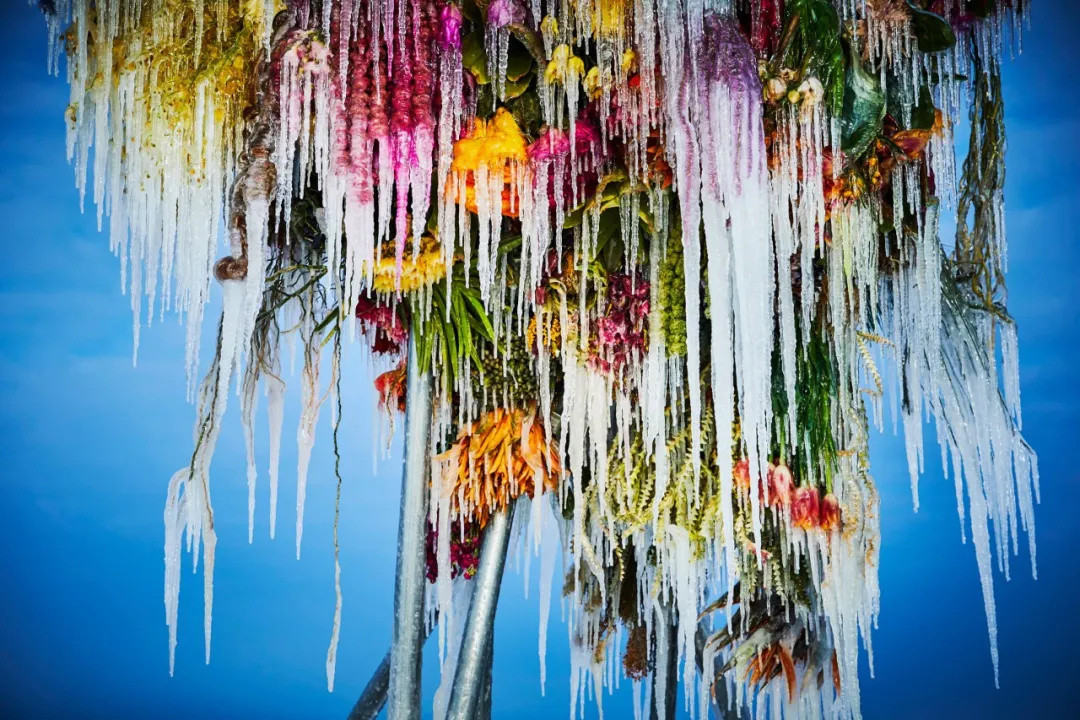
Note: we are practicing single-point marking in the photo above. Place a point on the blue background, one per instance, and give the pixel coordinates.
(88, 443)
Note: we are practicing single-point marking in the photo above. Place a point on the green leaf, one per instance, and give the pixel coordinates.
(924, 114)
(518, 62)
(474, 56)
(932, 32)
(527, 111)
(479, 313)
(864, 108)
(530, 40)
(516, 88)
(981, 8)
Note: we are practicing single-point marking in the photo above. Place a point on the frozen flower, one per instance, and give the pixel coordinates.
(449, 37)
(593, 83)
(496, 144)
(501, 13)
(387, 332)
(741, 472)
(781, 485)
(805, 507)
(775, 89)
(416, 271)
(554, 146)
(500, 457)
(830, 512)
(621, 331)
(391, 386)
(811, 91)
(565, 67)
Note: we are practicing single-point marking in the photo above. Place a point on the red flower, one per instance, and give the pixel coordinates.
(386, 329)
(742, 474)
(391, 387)
(781, 485)
(830, 512)
(805, 508)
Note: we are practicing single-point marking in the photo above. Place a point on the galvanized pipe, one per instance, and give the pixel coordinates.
(665, 632)
(373, 698)
(371, 701)
(403, 695)
(474, 659)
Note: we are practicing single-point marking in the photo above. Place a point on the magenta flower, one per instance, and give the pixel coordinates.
(449, 37)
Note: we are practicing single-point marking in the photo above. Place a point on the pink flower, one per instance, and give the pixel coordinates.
(805, 508)
(621, 331)
(781, 485)
(830, 512)
(504, 12)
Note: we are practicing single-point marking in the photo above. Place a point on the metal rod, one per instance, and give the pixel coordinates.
(471, 668)
(373, 698)
(484, 710)
(665, 678)
(403, 696)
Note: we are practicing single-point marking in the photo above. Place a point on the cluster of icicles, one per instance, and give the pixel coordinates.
(364, 100)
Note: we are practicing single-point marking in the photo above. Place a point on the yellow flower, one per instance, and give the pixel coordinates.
(497, 144)
(594, 85)
(491, 142)
(423, 269)
(565, 67)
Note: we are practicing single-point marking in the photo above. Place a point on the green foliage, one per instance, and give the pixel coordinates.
(814, 45)
(932, 32)
(672, 292)
(864, 108)
(455, 327)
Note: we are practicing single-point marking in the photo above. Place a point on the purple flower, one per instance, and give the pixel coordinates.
(449, 37)
(504, 12)
(728, 54)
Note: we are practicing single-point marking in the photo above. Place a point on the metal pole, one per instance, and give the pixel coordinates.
(484, 710)
(373, 698)
(403, 699)
(473, 659)
(371, 701)
(666, 651)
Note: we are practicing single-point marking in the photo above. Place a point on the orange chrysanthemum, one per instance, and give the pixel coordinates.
(495, 460)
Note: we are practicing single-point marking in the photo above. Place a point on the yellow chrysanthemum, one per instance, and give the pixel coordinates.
(496, 144)
(491, 142)
(421, 270)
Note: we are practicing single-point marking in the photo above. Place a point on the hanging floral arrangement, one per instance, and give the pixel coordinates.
(646, 274)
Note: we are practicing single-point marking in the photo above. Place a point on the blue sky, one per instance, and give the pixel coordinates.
(88, 444)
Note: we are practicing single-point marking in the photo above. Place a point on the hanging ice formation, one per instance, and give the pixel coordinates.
(666, 261)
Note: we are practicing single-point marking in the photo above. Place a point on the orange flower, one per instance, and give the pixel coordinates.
(805, 508)
(830, 512)
(495, 460)
(497, 145)
(391, 387)
(742, 474)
